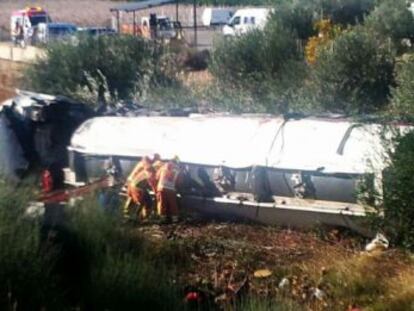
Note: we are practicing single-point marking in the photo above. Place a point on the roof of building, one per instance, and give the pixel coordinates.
(141, 5)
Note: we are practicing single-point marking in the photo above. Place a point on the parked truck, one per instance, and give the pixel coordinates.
(245, 20)
(217, 16)
(23, 23)
(155, 27)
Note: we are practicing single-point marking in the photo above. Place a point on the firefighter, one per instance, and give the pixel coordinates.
(139, 180)
(138, 191)
(157, 163)
(138, 167)
(168, 178)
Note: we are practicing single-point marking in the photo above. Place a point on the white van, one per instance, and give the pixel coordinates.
(217, 16)
(245, 20)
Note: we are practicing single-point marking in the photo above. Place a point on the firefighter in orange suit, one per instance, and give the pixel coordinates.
(168, 177)
(139, 182)
(138, 167)
(157, 163)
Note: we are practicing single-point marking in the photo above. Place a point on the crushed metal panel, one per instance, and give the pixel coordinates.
(12, 160)
(43, 125)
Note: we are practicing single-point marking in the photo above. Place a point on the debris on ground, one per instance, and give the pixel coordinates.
(379, 243)
(227, 261)
(262, 273)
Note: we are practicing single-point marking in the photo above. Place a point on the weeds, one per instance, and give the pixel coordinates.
(26, 280)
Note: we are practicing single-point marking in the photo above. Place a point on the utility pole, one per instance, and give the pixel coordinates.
(176, 10)
(195, 22)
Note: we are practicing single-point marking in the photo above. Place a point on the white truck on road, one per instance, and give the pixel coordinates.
(245, 20)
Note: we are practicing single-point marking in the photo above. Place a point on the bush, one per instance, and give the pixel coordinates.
(403, 93)
(255, 57)
(302, 13)
(298, 17)
(116, 267)
(90, 261)
(26, 279)
(119, 65)
(398, 220)
(391, 19)
(354, 73)
(346, 12)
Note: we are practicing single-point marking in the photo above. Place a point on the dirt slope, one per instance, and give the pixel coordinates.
(10, 73)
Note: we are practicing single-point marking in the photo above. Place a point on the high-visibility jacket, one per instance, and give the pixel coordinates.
(167, 177)
(137, 169)
(146, 174)
(157, 165)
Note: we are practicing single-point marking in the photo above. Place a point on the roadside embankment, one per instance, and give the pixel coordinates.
(13, 61)
(10, 74)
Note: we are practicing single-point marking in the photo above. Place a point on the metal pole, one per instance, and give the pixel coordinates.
(195, 21)
(134, 24)
(117, 21)
(176, 10)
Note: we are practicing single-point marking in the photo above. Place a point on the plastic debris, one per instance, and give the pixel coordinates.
(262, 273)
(35, 210)
(192, 296)
(318, 294)
(284, 283)
(380, 242)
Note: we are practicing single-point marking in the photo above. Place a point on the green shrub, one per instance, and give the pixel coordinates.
(398, 220)
(256, 56)
(90, 261)
(346, 12)
(403, 93)
(26, 279)
(391, 19)
(354, 73)
(118, 271)
(121, 66)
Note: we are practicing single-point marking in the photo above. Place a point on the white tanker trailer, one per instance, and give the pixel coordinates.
(297, 172)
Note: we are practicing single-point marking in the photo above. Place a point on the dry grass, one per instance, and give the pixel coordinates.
(197, 79)
(10, 73)
(220, 256)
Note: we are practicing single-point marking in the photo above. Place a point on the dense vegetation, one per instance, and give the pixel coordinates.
(89, 261)
(352, 69)
(95, 69)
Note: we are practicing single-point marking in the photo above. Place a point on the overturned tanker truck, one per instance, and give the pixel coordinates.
(292, 172)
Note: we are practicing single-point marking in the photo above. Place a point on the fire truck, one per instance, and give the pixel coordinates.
(23, 23)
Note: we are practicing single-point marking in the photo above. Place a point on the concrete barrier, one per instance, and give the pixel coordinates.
(18, 54)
